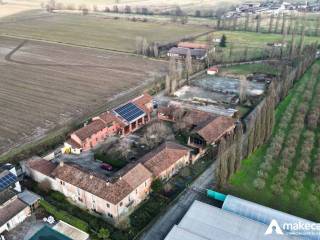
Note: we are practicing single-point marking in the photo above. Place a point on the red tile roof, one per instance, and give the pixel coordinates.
(43, 166)
(212, 130)
(73, 143)
(142, 100)
(90, 129)
(213, 69)
(192, 45)
(11, 209)
(137, 175)
(109, 117)
(113, 192)
(195, 117)
(151, 164)
(163, 157)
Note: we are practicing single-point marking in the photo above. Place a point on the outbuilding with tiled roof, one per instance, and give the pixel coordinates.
(166, 160)
(210, 131)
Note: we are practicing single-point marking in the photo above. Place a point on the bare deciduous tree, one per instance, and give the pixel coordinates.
(145, 47)
(189, 64)
(139, 42)
(45, 185)
(156, 133)
(243, 89)
(168, 85)
(155, 50)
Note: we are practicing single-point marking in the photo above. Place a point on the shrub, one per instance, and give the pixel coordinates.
(167, 187)
(287, 162)
(58, 196)
(113, 158)
(303, 166)
(313, 200)
(157, 186)
(295, 194)
(266, 166)
(64, 216)
(104, 234)
(262, 174)
(276, 189)
(45, 186)
(259, 183)
(147, 211)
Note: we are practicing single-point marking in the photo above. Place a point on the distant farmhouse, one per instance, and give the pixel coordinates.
(181, 52)
(197, 51)
(272, 7)
(192, 45)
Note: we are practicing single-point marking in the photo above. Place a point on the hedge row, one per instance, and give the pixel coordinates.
(64, 216)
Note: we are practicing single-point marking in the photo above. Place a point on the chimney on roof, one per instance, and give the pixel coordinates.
(107, 183)
(91, 176)
(120, 178)
(61, 163)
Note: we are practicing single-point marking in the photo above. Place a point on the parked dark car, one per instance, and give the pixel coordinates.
(106, 166)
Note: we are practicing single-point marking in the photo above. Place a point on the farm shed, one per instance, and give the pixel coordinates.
(179, 52)
(211, 131)
(192, 45)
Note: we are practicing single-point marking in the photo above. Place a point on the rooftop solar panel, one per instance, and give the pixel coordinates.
(7, 180)
(129, 112)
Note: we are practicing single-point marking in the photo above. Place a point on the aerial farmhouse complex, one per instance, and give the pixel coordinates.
(159, 120)
(115, 195)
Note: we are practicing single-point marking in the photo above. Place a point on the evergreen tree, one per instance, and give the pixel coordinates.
(223, 41)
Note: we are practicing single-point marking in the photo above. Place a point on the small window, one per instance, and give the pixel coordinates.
(120, 204)
(110, 215)
(136, 191)
(108, 205)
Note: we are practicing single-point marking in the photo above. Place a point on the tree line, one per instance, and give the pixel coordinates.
(256, 128)
(274, 23)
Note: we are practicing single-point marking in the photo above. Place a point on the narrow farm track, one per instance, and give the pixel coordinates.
(45, 86)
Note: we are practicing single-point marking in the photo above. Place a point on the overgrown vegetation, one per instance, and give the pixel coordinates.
(113, 158)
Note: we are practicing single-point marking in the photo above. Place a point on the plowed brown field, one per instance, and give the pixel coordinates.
(44, 85)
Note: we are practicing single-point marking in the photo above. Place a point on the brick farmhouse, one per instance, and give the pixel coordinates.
(113, 199)
(109, 123)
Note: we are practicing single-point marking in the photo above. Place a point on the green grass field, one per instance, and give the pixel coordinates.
(242, 183)
(97, 31)
(252, 39)
(246, 46)
(246, 69)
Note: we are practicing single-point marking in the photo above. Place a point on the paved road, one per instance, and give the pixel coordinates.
(174, 214)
